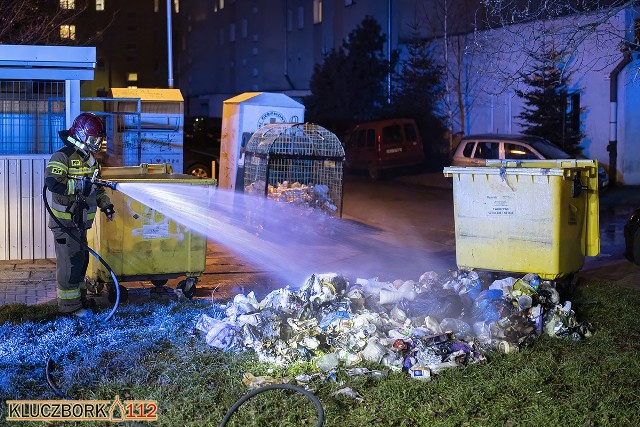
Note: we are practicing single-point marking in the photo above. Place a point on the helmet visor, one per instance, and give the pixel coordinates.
(94, 143)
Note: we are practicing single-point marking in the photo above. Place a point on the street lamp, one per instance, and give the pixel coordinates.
(169, 45)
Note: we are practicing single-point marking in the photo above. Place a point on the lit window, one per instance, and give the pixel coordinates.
(68, 32)
(221, 4)
(317, 11)
(176, 6)
(156, 5)
(132, 77)
(99, 5)
(67, 4)
(301, 17)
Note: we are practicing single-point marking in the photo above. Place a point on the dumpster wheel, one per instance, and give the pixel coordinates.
(159, 282)
(567, 285)
(188, 287)
(124, 293)
(94, 287)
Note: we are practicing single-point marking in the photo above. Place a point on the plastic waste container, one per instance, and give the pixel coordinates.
(141, 243)
(533, 216)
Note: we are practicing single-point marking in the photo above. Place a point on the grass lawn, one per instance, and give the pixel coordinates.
(151, 352)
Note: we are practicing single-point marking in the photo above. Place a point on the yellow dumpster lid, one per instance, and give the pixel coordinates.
(147, 94)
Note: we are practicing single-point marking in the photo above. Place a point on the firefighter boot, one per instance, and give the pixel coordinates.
(87, 303)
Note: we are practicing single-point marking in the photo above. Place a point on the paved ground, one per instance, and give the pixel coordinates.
(33, 282)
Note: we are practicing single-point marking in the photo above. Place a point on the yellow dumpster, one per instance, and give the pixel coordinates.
(531, 216)
(141, 243)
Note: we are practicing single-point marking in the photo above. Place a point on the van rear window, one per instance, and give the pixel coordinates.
(391, 135)
(410, 132)
(371, 138)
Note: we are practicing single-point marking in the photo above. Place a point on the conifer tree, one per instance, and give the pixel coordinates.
(548, 110)
(350, 84)
(418, 90)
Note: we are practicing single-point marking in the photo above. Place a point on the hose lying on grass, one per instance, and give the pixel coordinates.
(50, 365)
(257, 391)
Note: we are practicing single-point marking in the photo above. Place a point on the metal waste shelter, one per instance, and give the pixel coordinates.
(296, 162)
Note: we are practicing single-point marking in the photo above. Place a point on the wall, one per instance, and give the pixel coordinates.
(491, 76)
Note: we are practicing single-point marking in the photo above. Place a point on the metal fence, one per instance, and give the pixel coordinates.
(31, 114)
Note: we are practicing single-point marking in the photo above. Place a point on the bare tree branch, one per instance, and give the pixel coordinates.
(37, 21)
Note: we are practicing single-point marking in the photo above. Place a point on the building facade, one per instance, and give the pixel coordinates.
(223, 48)
(130, 39)
(228, 47)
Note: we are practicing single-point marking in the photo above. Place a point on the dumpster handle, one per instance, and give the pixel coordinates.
(577, 187)
(503, 175)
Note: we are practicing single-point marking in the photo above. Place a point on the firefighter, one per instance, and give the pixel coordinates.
(74, 203)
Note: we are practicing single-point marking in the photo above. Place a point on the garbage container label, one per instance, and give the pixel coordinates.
(155, 231)
(502, 206)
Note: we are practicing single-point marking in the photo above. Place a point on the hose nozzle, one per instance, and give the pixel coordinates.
(97, 181)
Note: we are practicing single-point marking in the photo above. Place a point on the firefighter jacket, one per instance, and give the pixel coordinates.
(64, 162)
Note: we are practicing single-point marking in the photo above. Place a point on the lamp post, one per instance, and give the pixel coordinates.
(169, 45)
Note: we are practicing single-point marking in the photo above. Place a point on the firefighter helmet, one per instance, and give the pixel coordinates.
(87, 132)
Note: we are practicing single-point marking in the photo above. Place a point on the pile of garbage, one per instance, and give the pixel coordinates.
(418, 327)
(298, 194)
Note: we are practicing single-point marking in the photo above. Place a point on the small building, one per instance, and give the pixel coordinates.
(39, 96)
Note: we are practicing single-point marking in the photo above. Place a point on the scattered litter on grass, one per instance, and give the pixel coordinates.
(348, 392)
(441, 322)
(419, 327)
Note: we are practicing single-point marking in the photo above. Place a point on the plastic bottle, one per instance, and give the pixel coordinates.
(460, 328)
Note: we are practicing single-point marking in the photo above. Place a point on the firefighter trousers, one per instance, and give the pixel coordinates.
(72, 260)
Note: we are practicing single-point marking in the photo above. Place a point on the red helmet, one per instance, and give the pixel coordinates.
(88, 132)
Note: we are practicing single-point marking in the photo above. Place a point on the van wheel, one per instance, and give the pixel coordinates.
(374, 173)
(199, 170)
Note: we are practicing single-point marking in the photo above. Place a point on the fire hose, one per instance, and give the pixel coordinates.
(50, 365)
(307, 393)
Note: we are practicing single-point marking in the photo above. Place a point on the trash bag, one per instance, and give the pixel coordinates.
(488, 306)
(436, 305)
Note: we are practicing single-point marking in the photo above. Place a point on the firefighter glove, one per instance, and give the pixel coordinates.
(109, 212)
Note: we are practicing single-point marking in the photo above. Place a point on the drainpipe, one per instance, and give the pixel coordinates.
(612, 148)
(286, 46)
